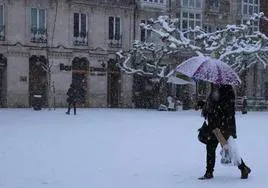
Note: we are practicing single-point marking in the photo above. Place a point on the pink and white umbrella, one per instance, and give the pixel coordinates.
(209, 69)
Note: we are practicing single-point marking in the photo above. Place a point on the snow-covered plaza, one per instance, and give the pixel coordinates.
(121, 148)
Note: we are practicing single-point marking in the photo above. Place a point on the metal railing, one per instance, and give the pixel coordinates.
(115, 43)
(2, 32)
(81, 39)
(38, 35)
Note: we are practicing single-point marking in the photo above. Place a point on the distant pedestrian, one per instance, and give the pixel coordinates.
(72, 98)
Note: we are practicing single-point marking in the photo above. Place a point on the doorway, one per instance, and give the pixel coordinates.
(37, 79)
(3, 80)
(114, 84)
(80, 67)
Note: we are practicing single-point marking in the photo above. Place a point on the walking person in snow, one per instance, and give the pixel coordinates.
(219, 110)
(72, 98)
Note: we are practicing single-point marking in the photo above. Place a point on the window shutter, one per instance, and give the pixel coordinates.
(111, 28)
(42, 19)
(83, 25)
(117, 28)
(76, 25)
(1, 15)
(34, 18)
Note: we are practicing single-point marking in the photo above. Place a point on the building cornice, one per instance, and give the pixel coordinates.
(55, 54)
(19, 49)
(102, 4)
(18, 53)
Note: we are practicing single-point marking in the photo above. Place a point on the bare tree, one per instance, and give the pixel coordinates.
(47, 66)
(230, 44)
(236, 45)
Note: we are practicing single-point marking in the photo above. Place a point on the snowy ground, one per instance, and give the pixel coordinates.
(116, 148)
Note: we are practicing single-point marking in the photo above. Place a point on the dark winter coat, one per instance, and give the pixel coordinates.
(221, 113)
(72, 95)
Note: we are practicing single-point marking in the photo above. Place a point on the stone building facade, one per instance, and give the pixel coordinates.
(76, 40)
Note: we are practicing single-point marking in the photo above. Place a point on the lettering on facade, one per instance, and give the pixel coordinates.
(97, 71)
(65, 67)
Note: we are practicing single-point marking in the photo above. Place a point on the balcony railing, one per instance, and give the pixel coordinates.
(115, 43)
(81, 39)
(2, 32)
(38, 35)
(158, 5)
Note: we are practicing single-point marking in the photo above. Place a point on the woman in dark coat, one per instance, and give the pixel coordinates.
(72, 98)
(219, 110)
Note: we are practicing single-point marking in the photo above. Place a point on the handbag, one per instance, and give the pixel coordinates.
(203, 133)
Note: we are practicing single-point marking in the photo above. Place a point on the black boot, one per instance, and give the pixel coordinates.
(68, 110)
(208, 175)
(244, 170)
(74, 108)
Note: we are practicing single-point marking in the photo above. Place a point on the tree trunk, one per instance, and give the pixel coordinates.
(163, 91)
(244, 81)
(49, 95)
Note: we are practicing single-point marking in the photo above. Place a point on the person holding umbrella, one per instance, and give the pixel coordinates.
(219, 109)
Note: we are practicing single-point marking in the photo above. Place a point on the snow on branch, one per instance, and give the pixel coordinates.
(236, 45)
(144, 59)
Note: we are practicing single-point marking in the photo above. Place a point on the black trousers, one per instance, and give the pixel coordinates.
(69, 107)
(211, 155)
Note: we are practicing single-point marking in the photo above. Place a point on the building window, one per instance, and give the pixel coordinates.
(115, 38)
(190, 20)
(145, 34)
(198, 3)
(214, 4)
(250, 7)
(2, 23)
(191, 3)
(80, 33)
(208, 29)
(253, 27)
(38, 25)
